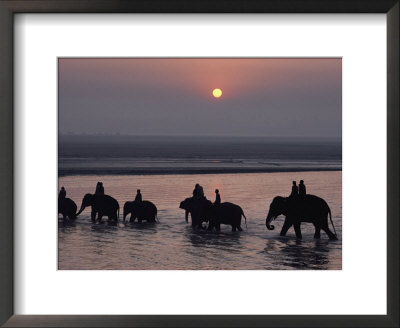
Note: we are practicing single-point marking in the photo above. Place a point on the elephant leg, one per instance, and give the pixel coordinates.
(132, 218)
(210, 225)
(113, 216)
(286, 225)
(196, 223)
(317, 234)
(139, 220)
(297, 230)
(239, 228)
(93, 215)
(218, 227)
(233, 228)
(100, 216)
(330, 234)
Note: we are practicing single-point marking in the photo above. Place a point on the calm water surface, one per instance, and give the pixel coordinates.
(171, 244)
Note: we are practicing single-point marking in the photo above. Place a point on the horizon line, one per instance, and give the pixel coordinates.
(72, 134)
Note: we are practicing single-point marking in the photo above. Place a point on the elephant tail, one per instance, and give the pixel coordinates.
(330, 217)
(245, 219)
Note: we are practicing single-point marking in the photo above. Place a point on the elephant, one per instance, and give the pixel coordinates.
(101, 204)
(67, 207)
(203, 210)
(197, 207)
(143, 210)
(306, 208)
(225, 213)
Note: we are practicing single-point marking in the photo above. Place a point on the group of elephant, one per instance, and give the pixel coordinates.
(305, 208)
(105, 205)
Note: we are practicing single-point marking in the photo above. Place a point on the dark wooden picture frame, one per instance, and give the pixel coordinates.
(10, 7)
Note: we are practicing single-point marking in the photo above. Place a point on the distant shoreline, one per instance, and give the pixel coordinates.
(191, 171)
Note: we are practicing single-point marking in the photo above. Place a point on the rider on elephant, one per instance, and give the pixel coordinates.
(295, 190)
(138, 197)
(302, 188)
(198, 191)
(99, 188)
(217, 197)
(62, 193)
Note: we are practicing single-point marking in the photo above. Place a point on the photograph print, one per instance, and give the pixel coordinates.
(199, 164)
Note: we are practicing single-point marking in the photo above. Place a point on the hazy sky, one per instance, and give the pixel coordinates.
(261, 97)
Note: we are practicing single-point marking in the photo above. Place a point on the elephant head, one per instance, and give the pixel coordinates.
(131, 208)
(198, 208)
(277, 207)
(87, 200)
(187, 206)
(127, 209)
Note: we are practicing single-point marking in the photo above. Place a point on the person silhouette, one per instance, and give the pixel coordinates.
(99, 188)
(62, 194)
(198, 191)
(138, 197)
(295, 190)
(302, 188)
(195, 190)
(217, 197)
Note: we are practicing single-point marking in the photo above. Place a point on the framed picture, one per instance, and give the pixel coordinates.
(197, 160)
(206, 139)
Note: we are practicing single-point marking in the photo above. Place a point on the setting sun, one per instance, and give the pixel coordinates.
(217, 93)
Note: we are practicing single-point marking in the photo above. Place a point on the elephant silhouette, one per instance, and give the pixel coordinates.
(67, 207)
(197, 207)
(144, 210)
(103, 205)
(225, 213)
(202, 210)
(306, 208)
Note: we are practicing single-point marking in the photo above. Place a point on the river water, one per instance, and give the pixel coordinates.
(172, 244)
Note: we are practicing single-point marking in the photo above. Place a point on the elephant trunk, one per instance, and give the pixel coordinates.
(186, 216)
(268, 222)
(124, 213)
(81, 210)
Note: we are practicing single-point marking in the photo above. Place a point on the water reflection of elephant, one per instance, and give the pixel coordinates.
(103, 205)
(67, 207)
(299, 254)
(143, 210)
(228, 241)
(307, 208)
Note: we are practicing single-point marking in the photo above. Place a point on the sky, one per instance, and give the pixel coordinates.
(173, 96)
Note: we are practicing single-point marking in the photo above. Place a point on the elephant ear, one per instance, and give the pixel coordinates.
(284, 204)
(282, 201)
